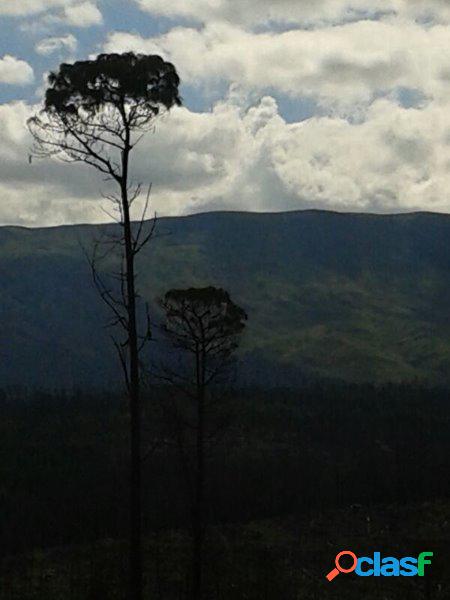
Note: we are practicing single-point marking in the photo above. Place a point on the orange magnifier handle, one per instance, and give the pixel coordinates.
(339, 569)
(332, 574)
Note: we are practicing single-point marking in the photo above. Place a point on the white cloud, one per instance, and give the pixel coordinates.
(365, 150)
(83, 15)
(247, 157)
(340, 65)
(77, 13)
(397, 159)
(55, 44)
(28, 7)
(15, 71)
(45, 192)
(302, 12)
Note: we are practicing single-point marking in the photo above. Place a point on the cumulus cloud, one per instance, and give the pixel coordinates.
(344, 64)
(55, 44)
(28, 7)
(46, 192)
(77, 13)
(379, 141)
(306, 12)
(250, 158)
(82, 15)
(246, 156)
(15, 71)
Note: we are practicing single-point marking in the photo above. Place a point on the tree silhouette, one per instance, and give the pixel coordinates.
(204, 324)
(95, 112)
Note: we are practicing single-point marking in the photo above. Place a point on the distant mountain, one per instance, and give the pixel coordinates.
(352, 296)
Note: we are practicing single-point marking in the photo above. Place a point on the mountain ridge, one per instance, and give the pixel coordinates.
(238, 212)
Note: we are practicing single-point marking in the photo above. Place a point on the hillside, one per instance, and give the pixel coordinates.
(351, 296)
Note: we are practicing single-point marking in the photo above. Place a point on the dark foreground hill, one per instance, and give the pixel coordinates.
(351, 296)
(293, 479)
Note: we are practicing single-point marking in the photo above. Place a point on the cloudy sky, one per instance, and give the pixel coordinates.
(288, 104)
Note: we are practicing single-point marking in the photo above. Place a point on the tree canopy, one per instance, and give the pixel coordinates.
(92, 108)
(205, 316)
(145, 81)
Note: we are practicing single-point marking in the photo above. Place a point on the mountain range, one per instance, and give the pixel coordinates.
(356, 297)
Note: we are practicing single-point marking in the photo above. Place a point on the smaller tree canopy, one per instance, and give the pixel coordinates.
(204, 319)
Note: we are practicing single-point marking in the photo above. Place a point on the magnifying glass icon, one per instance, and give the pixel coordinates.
(339, 569)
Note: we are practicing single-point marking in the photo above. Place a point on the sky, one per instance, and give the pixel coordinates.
(287, 105)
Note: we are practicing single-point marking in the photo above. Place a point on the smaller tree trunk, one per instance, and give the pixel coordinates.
(198, 507)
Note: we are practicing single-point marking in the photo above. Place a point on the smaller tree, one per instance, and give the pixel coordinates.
(203, 324)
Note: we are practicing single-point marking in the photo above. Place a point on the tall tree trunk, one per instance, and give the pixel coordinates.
(136, 572)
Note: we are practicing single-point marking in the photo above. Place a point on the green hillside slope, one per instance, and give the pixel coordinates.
(358, 297)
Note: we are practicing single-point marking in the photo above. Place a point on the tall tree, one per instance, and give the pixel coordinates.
(204, 324)
(95, 113)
